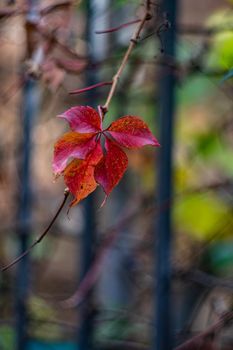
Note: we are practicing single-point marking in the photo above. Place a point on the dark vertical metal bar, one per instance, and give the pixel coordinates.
(87, 254)
(163, 331)
(95, 11)
(28, 112)
(89, 234)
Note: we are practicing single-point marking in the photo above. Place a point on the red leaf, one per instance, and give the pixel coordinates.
(132, 132)
(95, 156)
(71, 144)
(79, 178)
(90, 166)
(79, 175)
(83, 119)
(111, 168)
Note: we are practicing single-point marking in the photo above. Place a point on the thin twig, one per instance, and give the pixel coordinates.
(204, 279)
(121, 26)
(198, 340)
(56, 6)
(133, 41)
(202, 31)
(91, 87)
(13, 89)
(111, 235)
(9, 12)
(51, 35)
(39, 239)
(93, 273)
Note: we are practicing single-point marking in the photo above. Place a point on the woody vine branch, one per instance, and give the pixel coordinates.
(102, 111)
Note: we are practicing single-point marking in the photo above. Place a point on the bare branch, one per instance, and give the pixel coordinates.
(124, 25)
(198, 341)
(111, 236)
(56, 6)
(204, 279)
(133, 41)
(40, 238)
(91, 87)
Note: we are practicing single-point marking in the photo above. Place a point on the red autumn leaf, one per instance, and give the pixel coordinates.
(95, 155)
(79, 175)
(79, 178)
(132, 132)
(83, 119)
(71, 144)
(90, 167)
(111, 168)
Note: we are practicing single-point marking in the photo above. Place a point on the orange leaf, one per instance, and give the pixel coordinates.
(71, 144)
(79, 178)
(79, 175)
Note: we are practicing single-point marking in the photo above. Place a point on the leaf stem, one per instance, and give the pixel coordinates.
(39, 239)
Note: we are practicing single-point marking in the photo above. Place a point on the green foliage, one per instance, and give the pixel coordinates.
(7, 338)
(207, 143)
(119, 3)
(200, 215)
(218, 152)
(221, 53)
(195, 90)
(220, 258)
(42, 314)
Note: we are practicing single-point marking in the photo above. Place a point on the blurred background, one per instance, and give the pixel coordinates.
(50, 48)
